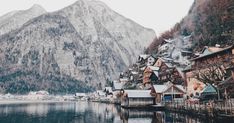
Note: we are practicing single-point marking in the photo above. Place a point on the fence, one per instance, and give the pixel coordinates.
(212, 109)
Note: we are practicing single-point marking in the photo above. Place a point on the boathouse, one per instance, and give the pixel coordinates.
(168, 92)
(136, 98)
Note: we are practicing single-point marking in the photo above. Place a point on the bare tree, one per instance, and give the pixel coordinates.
(213, 74)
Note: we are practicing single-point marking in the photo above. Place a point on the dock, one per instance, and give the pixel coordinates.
(213, 110)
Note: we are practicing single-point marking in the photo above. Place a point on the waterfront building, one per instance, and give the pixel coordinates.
(212, 63)
(136, 98)
(168, 92)
(80, 95)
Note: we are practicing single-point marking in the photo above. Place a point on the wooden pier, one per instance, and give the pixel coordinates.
(220, 110)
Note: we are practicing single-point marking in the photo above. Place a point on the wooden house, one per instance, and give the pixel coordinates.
(150, 74)
(223, 57)
(168, 71)
(168, 92)
(136, 98)
(211, 58)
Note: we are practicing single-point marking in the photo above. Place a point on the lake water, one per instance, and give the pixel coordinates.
(86, 112)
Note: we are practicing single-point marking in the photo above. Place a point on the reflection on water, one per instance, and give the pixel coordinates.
(84, 112)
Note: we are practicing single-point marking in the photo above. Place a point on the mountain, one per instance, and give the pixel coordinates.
(210, 22)
(85, 44)
(16, 19)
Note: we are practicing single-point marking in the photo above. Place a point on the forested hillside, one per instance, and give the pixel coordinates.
(209, 22)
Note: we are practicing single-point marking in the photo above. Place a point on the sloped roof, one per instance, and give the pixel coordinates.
(160, 88)
(165, 87)
(134, 72)
(212, 53)
(144, 56)
(156, 73)
(209, 89)
(123, 79)
(138, 93)
(154, 68)
(180, 87)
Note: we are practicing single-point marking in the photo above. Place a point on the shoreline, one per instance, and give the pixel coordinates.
(6, 102)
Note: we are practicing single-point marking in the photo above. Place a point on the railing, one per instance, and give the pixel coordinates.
(224, 108)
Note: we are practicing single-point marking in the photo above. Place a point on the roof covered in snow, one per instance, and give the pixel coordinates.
(125, 79)
(212, 53)
(138, 93)
(144, 56)
(154, 68)
(134, 72)
(166, 86)
(160, 88)
(109, 89)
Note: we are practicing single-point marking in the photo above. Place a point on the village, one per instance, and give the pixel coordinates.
(198, 83)
(174, 79)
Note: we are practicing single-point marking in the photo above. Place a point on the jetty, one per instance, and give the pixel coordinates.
(220, 110)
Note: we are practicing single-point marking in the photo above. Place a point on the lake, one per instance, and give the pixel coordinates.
(86, 112)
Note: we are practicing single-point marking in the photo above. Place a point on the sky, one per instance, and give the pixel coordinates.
(159, 15)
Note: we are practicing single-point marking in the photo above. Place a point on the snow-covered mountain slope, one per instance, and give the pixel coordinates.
(16, 19)
(87, 41)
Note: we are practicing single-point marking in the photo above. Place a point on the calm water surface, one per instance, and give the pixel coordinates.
(86, 112)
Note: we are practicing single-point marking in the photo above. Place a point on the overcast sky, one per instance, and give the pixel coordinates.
(159, 15)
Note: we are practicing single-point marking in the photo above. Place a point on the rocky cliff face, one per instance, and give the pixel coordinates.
(86, 41)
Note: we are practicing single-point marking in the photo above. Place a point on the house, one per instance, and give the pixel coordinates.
(208, 93)
(215, 60)
(100, 94)
(136, 98)
(142, 58)
(146, 59)
(208, 90)
(168, 92)
(150, 74)
(80, 95)
(219, 56)
(37, 95)
(117, 86)
(168, 71)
